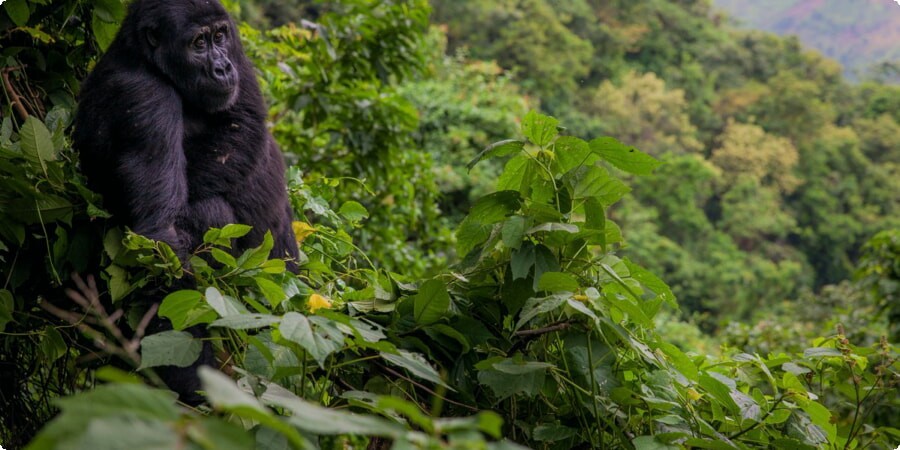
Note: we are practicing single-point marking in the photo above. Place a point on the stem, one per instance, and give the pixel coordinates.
(14, 98)
(548, 329)
(760, 421)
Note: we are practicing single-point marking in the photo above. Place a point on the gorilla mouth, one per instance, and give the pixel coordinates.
(215, 97)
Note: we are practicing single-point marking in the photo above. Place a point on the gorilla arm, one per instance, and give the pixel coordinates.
(152, 167)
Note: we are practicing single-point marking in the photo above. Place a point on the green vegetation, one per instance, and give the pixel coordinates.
(699, 246)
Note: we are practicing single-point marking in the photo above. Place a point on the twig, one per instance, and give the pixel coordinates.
(14, 98)
(548, 329)
(425, 388)
(88, 298)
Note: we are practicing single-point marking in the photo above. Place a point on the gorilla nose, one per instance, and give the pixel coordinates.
(222, 71)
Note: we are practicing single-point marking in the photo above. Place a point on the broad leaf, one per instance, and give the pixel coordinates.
(626, 158)
(539, 129)
(432, 303)
(170, 348)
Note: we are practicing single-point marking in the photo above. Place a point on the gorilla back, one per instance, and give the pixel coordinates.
(171, 130)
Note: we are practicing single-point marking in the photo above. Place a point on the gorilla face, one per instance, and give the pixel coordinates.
(196, 51)
(213, 81)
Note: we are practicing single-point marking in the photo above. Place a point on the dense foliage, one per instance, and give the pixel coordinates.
(475, 275)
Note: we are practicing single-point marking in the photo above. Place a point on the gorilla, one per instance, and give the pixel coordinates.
(171, 130)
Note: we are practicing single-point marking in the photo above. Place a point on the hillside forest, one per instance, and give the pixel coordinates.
(547, 224)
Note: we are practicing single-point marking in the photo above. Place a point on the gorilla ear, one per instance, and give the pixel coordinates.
(152, 37)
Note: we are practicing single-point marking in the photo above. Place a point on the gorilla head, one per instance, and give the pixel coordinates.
(195, 44)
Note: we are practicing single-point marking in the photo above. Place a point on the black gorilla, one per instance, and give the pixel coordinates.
(171, 131)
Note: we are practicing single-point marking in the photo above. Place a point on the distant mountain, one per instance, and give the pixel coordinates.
(858, 33)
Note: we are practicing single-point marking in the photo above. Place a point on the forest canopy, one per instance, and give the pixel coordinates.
(549, 224)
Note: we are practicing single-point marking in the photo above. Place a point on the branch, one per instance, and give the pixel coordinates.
(425, 388)
(14, 98)
(548, 329)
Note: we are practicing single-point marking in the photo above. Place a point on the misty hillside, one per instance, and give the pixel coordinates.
(858, 33)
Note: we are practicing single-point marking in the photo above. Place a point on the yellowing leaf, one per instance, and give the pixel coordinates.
(302, 230)
(317, 301)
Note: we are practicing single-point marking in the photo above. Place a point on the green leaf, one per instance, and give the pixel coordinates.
(52, 345)
(353, 211)
(521, 261)
(185, 308)
(104, 31)
(315, 419)
(118, 399)
(558, 282)
(416, 365)
(539, 129)
(821, 417)
(119, 286)
(116, 433)
(432, 303)
(224, 306)
(572, 152)
(537, 306)
(516, 175)
(509, 376)
(7, 306)
(719, 391)
(224, 394)
(681, 362)
(319, 341)
(110, 10)
(495, 207)
(544, 261)
(37, 144)
(223, 236)
(498, 149)
(652, 282)
(514, 231)
(626, 158)
(273, 292)
(552, 432)
(223, 435)
(18, 11)
(821, 352)
(651, 443)
(595, 181)
(246, 321)
(170, 348)
(254, 257)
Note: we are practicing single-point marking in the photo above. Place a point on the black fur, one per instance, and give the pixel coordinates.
(171, 131)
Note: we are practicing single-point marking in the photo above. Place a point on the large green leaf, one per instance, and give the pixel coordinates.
(246, 321)
(225, 306)
(18, 11)
(170, 348)
(539, 129)
(624, 157)
(558, 282)
(595, 181)
(185, 308)
(572, 152)
(509, 376)
(498, 149)
(224, 394)
(37, 143)
(432, 303)
(316, 335)
(516, 175)
(315, 419)
(415, 364)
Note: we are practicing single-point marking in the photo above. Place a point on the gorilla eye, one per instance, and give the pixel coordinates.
(219, 36)
(199, 42)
